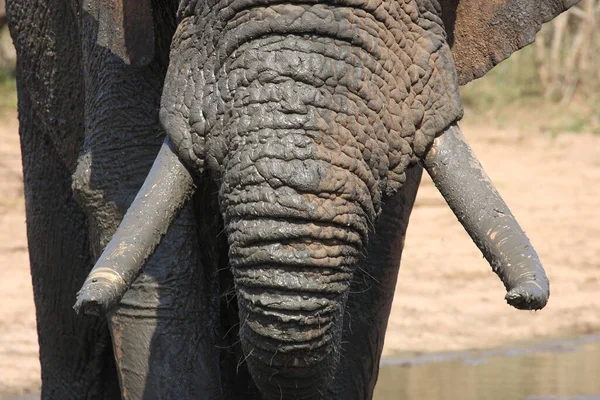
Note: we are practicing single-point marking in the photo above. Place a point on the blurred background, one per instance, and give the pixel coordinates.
(534, 122)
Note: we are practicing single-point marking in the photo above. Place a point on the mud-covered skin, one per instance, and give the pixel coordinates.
(381, 70)
(75, 353)
(299, 119)
(158, 330)
(309, 113)
(370, 297)
(487, 219)
(166, 190)
(101, 142)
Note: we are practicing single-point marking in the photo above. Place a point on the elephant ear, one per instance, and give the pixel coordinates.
(125, 27)
(482, 33)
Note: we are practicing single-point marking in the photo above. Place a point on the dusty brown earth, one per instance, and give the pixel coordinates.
(447, 297)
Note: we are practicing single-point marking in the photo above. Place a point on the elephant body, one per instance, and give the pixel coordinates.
(302, 124)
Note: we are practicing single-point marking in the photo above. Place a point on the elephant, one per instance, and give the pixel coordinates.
(222, 189)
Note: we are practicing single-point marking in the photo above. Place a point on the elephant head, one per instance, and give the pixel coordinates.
(308, 114)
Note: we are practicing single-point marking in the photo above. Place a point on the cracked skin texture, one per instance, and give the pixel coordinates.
(387, 61)
(308, 122)
(308, 114)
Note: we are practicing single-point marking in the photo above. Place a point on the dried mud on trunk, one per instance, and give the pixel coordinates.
(447, 297)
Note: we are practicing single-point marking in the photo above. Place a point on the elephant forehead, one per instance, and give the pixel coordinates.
(374, 79)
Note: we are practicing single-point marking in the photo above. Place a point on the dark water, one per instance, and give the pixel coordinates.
(559, 370)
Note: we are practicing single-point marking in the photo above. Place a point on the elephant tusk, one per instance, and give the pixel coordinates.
(467, 189)
(164, 192)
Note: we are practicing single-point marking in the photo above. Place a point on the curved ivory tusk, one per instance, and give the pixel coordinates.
(460, 178)
(164, 192)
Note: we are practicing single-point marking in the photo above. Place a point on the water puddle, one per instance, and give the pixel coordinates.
(558, 370)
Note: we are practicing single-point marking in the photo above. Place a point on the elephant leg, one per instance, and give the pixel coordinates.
(371, 296)
(163, 329)
(75, 353)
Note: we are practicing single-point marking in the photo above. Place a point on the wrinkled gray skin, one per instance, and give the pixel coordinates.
(302, 123)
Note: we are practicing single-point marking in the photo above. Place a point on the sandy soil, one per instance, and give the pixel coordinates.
(447, 297)
(19, 364)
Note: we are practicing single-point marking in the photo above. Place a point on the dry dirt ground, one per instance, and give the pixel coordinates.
(447, 297)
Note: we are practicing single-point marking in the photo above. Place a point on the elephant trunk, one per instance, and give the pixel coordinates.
(305, 130)
(296, 228)
(292, 275)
